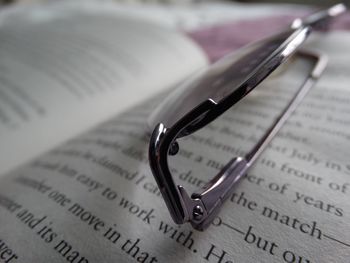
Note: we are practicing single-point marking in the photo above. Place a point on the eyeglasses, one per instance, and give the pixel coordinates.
(210, 93)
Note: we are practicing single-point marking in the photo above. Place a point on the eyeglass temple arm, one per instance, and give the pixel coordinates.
(221, 186)
(314, 75)
(321, 18)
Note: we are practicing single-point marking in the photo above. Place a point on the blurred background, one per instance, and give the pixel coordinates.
(306, 2)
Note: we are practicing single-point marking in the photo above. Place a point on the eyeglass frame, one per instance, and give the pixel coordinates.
(203, 205)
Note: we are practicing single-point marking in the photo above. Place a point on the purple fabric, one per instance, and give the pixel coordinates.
(219, 40)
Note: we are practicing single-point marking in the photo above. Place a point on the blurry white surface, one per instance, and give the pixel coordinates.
(183, 16)
(62, 71)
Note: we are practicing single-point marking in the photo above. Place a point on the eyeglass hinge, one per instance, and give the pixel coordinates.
(201, 208)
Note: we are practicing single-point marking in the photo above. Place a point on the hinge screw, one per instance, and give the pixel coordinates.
(174, 148)
(197, 212)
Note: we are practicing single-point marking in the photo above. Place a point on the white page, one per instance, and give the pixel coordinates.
(63, 72)
(70, 205)
(186, 16)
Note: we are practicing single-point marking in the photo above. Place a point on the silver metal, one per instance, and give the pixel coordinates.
(320, 19)
(207, 96)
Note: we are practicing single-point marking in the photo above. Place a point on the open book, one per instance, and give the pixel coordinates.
(93, 80)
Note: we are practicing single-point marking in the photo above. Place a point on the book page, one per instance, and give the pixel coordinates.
(189, 17)
(94, 199)
(63, 72)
